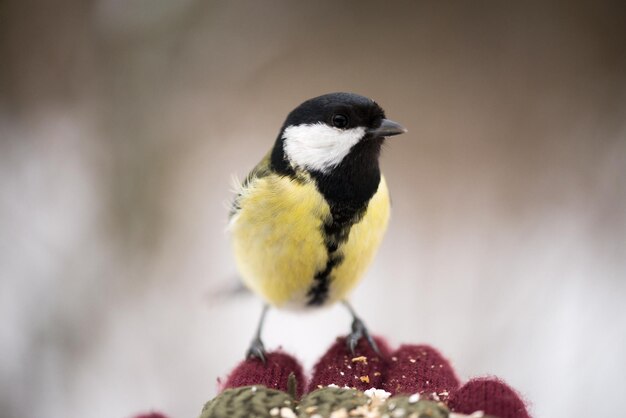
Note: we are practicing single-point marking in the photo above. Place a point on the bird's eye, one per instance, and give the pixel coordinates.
(340, 121)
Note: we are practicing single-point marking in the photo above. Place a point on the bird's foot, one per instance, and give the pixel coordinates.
(359, 330)
(256, 349)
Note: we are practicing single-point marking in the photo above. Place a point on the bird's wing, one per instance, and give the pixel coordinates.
(261, 170)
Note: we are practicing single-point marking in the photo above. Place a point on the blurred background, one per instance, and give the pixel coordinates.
(122, 122)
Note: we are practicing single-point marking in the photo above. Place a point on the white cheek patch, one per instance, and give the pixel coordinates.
(319, 146)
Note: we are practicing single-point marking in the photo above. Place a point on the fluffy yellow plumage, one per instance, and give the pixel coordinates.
(278, 241)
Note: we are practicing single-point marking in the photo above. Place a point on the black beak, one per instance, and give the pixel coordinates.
(387, 128)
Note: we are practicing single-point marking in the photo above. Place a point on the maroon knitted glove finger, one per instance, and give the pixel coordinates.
(273, 374)
(151, 415)
(420, 369)
(490, 395)
(363, 370)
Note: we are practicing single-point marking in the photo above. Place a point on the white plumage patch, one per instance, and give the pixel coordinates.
(319, 146)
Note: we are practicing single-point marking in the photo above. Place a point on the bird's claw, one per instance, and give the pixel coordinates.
(359, 330)
(256, 350)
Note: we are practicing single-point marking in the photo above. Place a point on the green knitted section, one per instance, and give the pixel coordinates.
(329, 402)
(249, 402)
(323, 402)
(406, 406)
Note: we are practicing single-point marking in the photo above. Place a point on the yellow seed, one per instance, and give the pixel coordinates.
(360, 359)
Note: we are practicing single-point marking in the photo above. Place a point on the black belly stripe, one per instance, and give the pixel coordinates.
(318, 293)
(335, 232)
(348, 189)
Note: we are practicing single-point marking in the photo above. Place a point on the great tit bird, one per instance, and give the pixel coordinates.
(309, 217)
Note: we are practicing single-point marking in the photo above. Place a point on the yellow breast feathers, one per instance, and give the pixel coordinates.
(279, 240)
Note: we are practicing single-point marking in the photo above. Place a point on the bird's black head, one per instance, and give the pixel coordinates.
(327, 131)
(338, 110)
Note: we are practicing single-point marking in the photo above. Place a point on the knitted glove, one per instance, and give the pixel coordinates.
(419, 371)
(412, 381)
